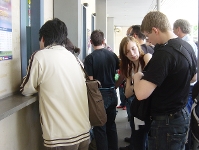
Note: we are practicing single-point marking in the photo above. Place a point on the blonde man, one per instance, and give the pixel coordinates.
(167, 80)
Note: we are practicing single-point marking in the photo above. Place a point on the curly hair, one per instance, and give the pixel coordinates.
(73, 49)
(184, 26)
(127, 65)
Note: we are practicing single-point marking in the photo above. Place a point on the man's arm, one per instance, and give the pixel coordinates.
(119, 81)
(31, 80)
(142, 88)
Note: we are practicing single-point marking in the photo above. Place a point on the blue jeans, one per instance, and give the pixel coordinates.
(122, 96)
(128, 106)
(169, 134)
(190, 100)
(188, 106)
(106, 136)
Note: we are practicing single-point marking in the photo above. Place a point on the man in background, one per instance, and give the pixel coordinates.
(141, 38)
(102, 64)
(182, 29)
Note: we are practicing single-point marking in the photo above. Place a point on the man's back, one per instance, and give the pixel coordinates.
(170, 73)
(102, 65)
(62, 95)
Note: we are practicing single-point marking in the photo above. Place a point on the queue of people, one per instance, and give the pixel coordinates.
(169, 69)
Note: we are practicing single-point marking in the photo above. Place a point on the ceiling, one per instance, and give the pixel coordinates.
(131, 12)
(128, 12)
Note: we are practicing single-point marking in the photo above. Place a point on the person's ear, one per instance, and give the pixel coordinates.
(178, 30)
(156, 30)
(42, 39)
(104, 42)
(91, 42)
(134, 35)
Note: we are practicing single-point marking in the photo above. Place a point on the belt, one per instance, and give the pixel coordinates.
(107, 88)
(169, 116)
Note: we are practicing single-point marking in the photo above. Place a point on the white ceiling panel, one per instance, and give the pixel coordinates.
(128, 12)
(131, 12)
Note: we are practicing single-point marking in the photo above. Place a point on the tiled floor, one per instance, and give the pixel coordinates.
(123, 127)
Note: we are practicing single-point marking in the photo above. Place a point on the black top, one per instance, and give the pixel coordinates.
(102, 65)
(170, 71)
(147, 49)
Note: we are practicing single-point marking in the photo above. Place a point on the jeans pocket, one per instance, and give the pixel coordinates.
(176, 141)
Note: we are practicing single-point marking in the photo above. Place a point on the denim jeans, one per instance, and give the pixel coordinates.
(169, 134)
(106, 136)
(122, 96)
(190, 100)
(128, 106)
(188, 106)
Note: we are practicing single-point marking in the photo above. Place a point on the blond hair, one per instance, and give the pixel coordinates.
(155, 19)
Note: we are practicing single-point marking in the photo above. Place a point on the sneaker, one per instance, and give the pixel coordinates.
(124, 148)
(124, 108)
(119, 106)
(127, 139)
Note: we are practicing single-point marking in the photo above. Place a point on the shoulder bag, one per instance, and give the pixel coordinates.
(97, 112)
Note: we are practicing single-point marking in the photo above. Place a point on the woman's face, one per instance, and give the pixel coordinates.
(132, 51)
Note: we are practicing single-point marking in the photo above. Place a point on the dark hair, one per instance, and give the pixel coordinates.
(53, 32)
(69, 46)
(136, 30)
(97, 37)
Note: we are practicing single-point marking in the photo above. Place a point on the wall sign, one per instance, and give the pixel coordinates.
(5, 30)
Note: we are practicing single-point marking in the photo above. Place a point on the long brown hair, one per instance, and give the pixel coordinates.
(127, 65)
(72, 48)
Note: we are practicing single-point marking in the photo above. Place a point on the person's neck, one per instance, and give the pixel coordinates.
(140, 41)
(166, 36)
(136, 62)
(182, 35)
(98, 47)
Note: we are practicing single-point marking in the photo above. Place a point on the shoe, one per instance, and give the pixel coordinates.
(119, 106)
(127, 139)
(124, 108)
(124, 148)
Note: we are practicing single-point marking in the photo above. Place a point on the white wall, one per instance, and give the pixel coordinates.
(21, 130)
(48, 10)
(10, 74)
(118, 37)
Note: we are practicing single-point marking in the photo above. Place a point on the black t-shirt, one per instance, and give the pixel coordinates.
(147, 49)
(102, 65)
(170, 71)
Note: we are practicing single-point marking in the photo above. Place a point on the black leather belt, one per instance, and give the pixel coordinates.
(169, 116)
